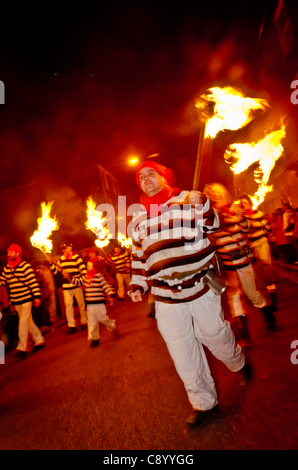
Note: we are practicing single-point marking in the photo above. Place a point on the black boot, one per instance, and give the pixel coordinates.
(244, 375)
(240, 330)
(273, 301)
(269, 318)
(151, 314)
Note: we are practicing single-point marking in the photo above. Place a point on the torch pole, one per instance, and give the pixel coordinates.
(49, 256)
(199, 157)
(103, 252)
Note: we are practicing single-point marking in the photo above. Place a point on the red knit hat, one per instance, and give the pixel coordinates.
(161, 170)
(92, 250)
(15, 248)
(98, 265)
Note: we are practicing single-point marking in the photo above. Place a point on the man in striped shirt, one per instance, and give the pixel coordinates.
(24, 291)
(72, 265)
(121, 260)
(258, 235)
(96, 290)
(172, 255)
(232, 245)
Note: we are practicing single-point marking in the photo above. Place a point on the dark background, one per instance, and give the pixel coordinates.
(99, 82)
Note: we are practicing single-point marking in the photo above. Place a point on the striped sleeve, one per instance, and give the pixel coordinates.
(3, 279)
(22, 283)
(231, 241)
(257, 233)
(171, 250)
(95, 290)
(75, 267)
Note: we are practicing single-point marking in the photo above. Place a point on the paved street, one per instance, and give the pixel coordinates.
(126, 395)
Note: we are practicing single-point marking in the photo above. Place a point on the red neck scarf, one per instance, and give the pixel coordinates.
(249, 212)
(152, 204)
(14, 264)
(90, 275)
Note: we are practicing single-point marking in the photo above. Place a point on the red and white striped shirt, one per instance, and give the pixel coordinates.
(231, 240)
(171, 251)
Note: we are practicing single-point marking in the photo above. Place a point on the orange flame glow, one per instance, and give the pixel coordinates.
(266, 152)
(125, 242)
(46, 225)
(232, 110)
(96, 223)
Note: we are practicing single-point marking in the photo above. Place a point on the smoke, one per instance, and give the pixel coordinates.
(69, 209)
(111, 80)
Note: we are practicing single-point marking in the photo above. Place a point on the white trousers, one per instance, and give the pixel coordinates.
(97, 313)
(263, 252)
(68, 300)
(242, 283)
(122, 281)
(27, 327)
(185, 327)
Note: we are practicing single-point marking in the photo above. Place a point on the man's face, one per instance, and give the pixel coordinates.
(12, 255)
(67, 251)
(90, 266)
(151, 182)
(216, 197)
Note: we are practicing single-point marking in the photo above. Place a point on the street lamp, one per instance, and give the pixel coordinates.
(133, 161)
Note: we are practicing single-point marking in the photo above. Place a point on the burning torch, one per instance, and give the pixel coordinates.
(46, 225)
(223, 109)
(266, 152)
(97, 224)
(41, 237)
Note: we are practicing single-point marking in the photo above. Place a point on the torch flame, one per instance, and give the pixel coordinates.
(46, 226)
(267, 151)
(96, 223)
(125, 242)
(232, 109)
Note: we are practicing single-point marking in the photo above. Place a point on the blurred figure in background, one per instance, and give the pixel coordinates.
(289, 220)
(41, 314)
(96, 291)
(270, 220)
(45, 270)
(4, 303)
(283, 243)
(257, 234)
(258, 238)
(121, 260)
(232, 245)
(295, 236)
(59, 281)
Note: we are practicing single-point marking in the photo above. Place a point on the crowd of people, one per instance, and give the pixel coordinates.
(282, 226)
(181, 258)
(35, 300)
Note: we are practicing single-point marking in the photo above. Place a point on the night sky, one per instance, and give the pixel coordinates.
(99, 82)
